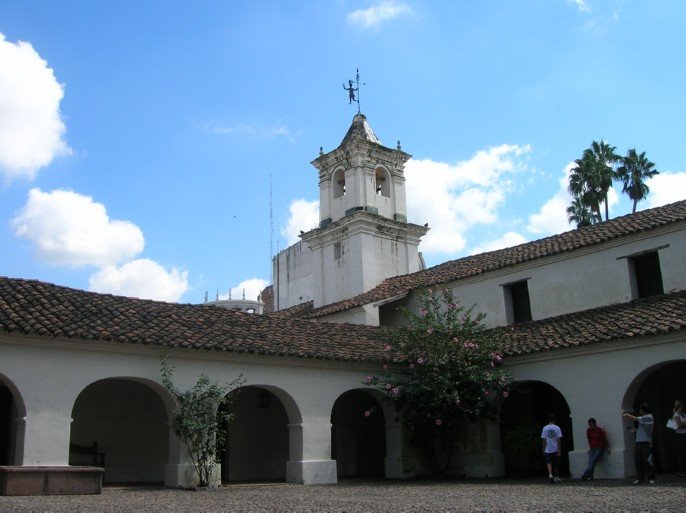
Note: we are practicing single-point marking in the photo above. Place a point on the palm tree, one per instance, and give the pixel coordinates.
(633, 173)
(580, 214)
(583, 183)
(591, 178)
(605, 158)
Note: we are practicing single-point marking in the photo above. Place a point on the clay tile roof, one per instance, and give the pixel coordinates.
(485, 262)
(656, 315)
(32, 307)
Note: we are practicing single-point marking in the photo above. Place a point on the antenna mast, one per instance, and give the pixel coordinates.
(271, 230)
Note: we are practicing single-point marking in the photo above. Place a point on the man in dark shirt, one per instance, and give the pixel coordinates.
(597, 445)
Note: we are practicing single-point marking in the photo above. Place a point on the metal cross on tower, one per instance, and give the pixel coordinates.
(352, 90)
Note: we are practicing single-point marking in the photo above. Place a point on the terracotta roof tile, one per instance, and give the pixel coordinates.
(35, 308)
(656, 315)
(493, 260)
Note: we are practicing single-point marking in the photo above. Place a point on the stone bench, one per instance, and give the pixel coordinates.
(44, 480)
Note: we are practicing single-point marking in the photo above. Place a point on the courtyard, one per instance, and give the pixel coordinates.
(483, 496)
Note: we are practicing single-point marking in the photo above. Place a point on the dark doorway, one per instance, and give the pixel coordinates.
(257, 439)
(122, 425)
(358, 435)
(659, 390)
(522, 417)
(6, 418)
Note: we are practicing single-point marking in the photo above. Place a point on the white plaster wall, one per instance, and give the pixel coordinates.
(49, 376)
(577, 280)
(293, 276)
(594, 381)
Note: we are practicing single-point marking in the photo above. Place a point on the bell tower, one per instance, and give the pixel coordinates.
(363, 235)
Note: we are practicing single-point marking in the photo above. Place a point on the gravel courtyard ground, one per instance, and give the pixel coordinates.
(483, 496)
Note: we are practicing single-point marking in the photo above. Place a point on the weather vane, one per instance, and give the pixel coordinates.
(352, 90)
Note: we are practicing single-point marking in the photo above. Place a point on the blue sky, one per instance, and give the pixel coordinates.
(138, 140)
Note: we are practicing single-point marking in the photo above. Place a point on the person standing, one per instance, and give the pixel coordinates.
(597, 446)
(643, 458)
(552, 447)
(679, 417)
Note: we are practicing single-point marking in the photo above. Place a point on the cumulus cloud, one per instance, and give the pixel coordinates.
(508, 240)
(72, 230)
(372, 17)
(252, 287)
(31, 127)
(666, 188)
(551, 218)
(453, 198)
(141, 278)
(304, 215)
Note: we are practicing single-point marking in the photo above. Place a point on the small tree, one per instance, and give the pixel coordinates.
(200, 417)
(447, 370)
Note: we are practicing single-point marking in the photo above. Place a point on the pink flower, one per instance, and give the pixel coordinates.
(420, 360)
(367, 413)
(368, 379)
(505, 393)
(457, 402)
(430, 330)
(439, 422)
(386, 347)
(395, 390)
(451, 306)
(388, 386)
(423, 311)
(412, 366)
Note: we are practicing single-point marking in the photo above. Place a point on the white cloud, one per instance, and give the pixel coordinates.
(141, 278)
(372, 17)
(551, 218)
(252, 288)
(31, 128)
(453, 198)
(69, 229)
(304, 215)
(508, 240)
(666, 188)
(581, 5)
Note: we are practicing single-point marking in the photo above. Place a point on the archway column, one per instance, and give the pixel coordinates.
(46, 437)
(310, 452)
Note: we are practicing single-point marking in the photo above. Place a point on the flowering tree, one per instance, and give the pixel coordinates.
(442, 371)
(200, 417)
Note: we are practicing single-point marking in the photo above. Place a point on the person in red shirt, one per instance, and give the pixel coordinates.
(597, 444)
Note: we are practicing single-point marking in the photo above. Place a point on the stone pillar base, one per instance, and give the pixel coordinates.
(311, 472)
(483, 464)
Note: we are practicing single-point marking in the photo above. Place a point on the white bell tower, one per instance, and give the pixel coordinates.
(363, 235)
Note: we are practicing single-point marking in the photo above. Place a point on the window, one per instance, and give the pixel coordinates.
(517, 305)
(339, 183)
(646, 277)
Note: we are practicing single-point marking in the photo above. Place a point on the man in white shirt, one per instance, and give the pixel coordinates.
(552, 447)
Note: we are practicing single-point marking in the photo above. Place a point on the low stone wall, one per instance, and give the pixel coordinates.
(17, 480)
